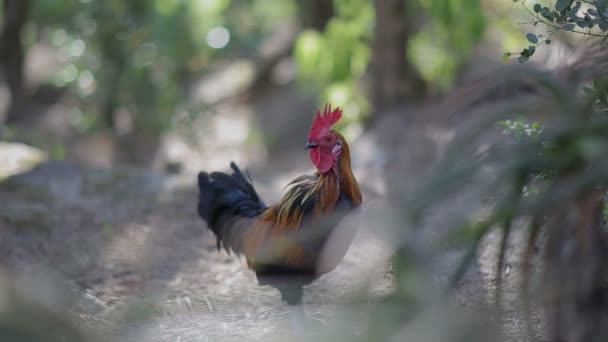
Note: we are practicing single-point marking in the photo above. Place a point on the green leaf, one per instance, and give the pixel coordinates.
(547, 14)
(588, 90)
(532, 38)
(574, 10)
(548, 41)
(529, 51)
(535, 125)
(505, 57)
(522, 59)
(568, 27)
(562, 5)
(537, 8)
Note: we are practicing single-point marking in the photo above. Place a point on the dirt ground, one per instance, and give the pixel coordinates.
(125, 252)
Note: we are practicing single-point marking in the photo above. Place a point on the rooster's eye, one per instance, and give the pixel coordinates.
(328, 139)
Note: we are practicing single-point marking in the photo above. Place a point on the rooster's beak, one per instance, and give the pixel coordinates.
(310, 145)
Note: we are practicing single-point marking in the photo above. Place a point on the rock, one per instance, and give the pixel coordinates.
(16, 158)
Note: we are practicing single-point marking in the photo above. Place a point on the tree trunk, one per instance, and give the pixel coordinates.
(114, 64)
(394, 80)
(316, 13)
(575, 272)
(12, 51)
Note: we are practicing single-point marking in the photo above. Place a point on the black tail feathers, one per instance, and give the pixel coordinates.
(223, 200)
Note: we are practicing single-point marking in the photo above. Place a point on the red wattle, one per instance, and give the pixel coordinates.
(315, 156)
(322, 161)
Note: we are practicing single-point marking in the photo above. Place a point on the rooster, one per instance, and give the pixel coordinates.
(286, 243)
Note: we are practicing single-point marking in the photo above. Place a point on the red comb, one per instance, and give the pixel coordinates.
(323, 122)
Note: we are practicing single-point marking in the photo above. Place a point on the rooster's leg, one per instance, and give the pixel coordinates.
(292, 294)
(297, 317)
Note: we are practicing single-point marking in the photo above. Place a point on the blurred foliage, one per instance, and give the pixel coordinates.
(114, 59)
(567, 152)
(336, 59)
(521, 128)
(29, 316)
(134, 57)
(447, 40)
(128, 62)
(586, 18)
